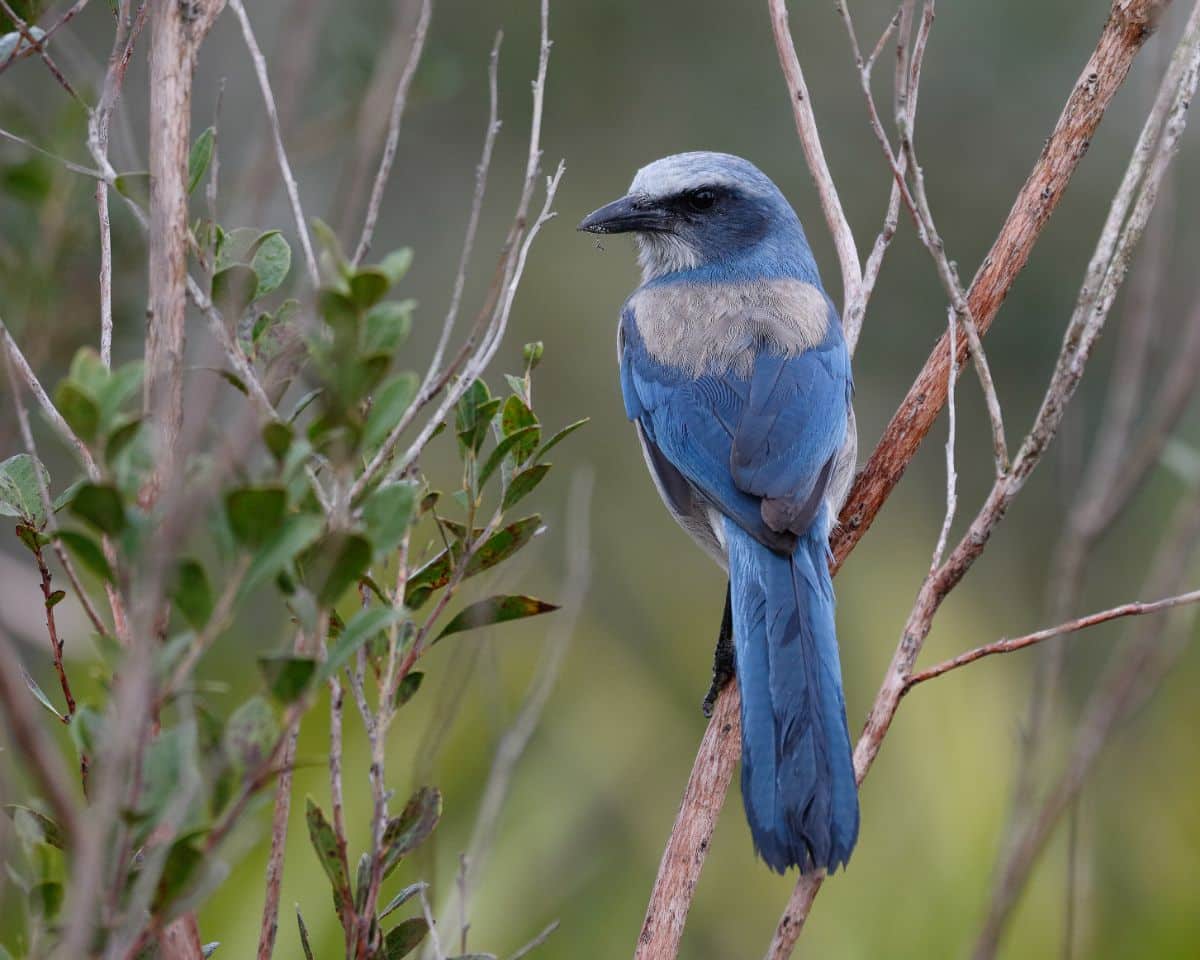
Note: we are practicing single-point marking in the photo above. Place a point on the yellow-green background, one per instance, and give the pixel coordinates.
(594, 796)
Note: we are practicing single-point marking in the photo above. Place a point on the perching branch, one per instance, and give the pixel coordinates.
(1105, 274)
(1129, 24)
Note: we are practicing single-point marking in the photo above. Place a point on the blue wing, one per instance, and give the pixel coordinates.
(759, 448)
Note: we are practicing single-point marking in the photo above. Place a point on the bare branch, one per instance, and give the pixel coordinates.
(1130, 679)
(1128, 26)
(1122, 37)
(61, 427)
(34, 744)
(40, 46)
(831, 206)
(285, 167)
(1134, 609)
(514, 741)
(1109, 264)
(399, 101)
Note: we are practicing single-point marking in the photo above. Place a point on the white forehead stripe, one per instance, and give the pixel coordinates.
(685, 171)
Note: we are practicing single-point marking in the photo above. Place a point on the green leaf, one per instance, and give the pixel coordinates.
(87, 729)
(55, 598)
(329, 852)
(46, 898)
(387, 326)
(519, 386)
(523, 483)
(330, 245)
(287, 676)
(199, 157)
(339, 312)
(182, 866)
(395, 265)
(334, 564)
(308, 954)
(296, 533)
(499, 546)
(493, 610)
(135, 185)
(368, 285)
(236, 246)
(408, 831)
(101, 506)
(387, 514)
(255, 513)
(79, 409)
(37, 825)
(401, 898)
(233, 290)
(517, 416)
(562, 434)
(11, 41)
(20, 494)
(31, 538)
(407, 688)
(392, 399)
(404, 939)
(192, 594)
(518, 438)
(363, 626)
(120, 438)
(278, 438)
(250, 735)
(303, 402)
(64, 498)
(84, 549)
(271, 263)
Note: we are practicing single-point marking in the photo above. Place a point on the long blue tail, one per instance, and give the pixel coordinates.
(797, 769)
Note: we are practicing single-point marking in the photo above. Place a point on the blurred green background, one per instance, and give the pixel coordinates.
(594, 796)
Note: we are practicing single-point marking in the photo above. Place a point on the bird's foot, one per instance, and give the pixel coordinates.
(724, 666)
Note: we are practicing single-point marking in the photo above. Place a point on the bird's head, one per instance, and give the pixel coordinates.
(701, 209)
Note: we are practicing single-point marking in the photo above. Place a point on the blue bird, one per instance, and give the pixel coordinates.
(737, 379)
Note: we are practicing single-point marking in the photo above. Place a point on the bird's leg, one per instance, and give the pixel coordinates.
(724, 667)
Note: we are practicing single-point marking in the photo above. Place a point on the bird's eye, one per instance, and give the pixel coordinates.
(701, 199)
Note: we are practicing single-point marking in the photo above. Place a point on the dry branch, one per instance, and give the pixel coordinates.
(831, 207)
(1128, 26)
(1133, 609)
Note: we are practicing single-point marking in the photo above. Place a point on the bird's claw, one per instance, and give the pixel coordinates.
(724, 666)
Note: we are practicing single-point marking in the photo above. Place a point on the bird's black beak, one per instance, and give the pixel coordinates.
(628, 215)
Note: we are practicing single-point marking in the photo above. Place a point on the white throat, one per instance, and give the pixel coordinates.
(663, 253)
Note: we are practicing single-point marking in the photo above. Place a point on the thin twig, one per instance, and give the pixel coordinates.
(1109, 264)
(14, 359)
(40, 47)
(535, 942)
(1125, 32)
(1134, 609)
(285, 167)
(399, 101)
(831, 206)
(1128, 681)
(513, 743)
(36, 747)
(716, 758)
(19, 52)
